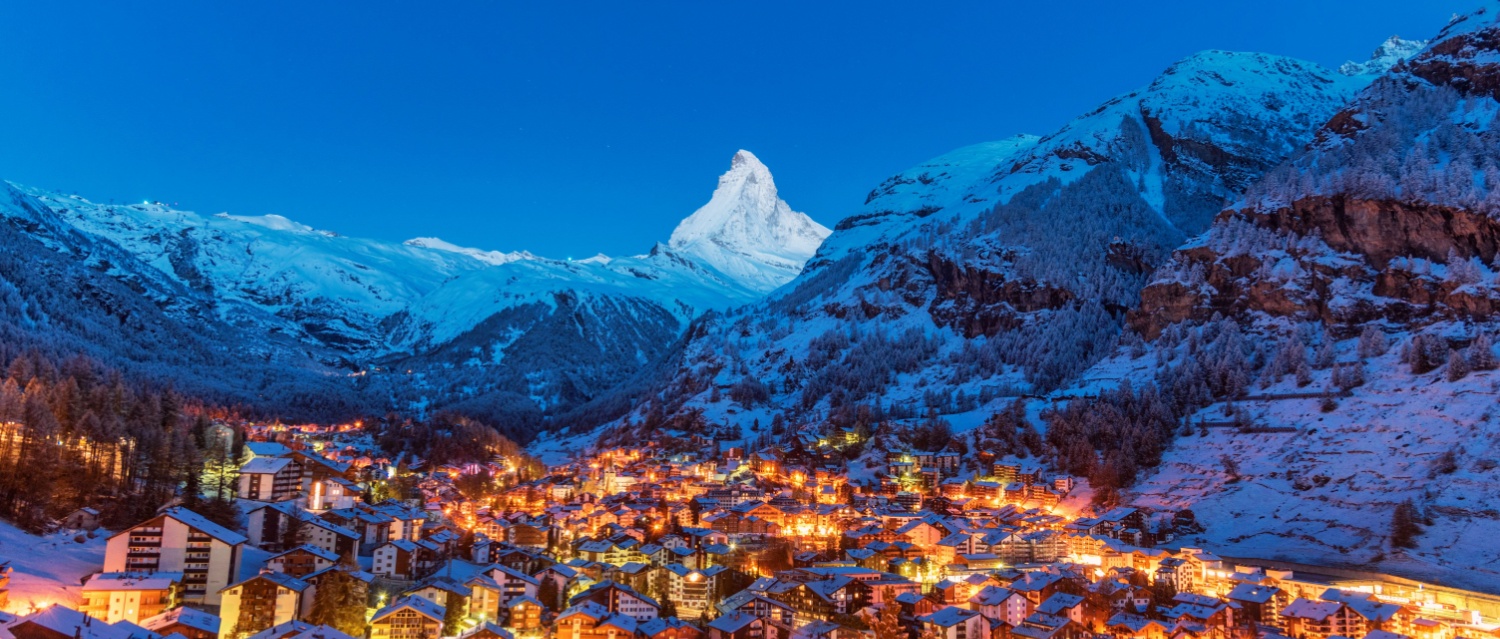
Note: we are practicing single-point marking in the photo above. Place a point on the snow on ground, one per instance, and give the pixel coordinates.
(48, 569)
(1348, 470)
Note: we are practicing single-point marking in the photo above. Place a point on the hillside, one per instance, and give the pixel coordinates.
(1382, 231)
(339, 325)
(999, 268)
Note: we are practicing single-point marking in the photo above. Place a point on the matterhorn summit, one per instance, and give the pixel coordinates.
(747, 232)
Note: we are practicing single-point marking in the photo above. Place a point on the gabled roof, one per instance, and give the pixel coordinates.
(279, 578)
(315, 551)
(419, 605)
(182, 615)
(733, 622)
(487, 627)
(265, 465)
(591, 609)
(299, 630)
(1135, 623)
(119, 581)
(510, 572)
(1058, 603)
(608, 584)
(991, 596)
(1253, 593)
(400, 544)
(445, 584)
(71, 623)
(948, 617)
(1312, 610)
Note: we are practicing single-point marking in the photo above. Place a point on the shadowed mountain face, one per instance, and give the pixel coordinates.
(424, 324)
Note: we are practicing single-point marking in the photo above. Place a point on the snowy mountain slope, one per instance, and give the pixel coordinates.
(1197, 135)
(746, 230)
(1007, 266)
(66, 293)
(332, 289)
(1325, 492)
(1385, 228)
(466, 323)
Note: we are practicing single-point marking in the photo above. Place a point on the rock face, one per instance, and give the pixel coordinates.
(1389, 215)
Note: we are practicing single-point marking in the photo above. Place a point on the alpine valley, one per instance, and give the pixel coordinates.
(1254, 287)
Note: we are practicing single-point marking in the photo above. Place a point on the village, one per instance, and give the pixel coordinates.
(338, 541)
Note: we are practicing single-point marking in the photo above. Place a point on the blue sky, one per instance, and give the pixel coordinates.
(574, 128)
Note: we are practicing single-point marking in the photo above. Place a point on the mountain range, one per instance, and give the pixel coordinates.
(1298, 265)
(376, 325)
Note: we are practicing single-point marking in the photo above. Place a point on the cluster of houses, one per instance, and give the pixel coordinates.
(633, 543)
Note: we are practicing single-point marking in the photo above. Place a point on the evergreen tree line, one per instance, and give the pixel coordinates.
(75, 434)
(452, 438)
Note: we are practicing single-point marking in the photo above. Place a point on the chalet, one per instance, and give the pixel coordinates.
(1042, 626)
(1062, 604)
(692, 590)
(740, 625)
(395, 560)
(486, 630)
(1003, 604)
(619, 598)
(669, 628)
(524, 613)
(299, 630)
(1311, 619)
(82, 519)
(302, 560)
(1135, 627)
(590, 620)
(408, 618)
(750, 602)
(260, 602)
(954, 622)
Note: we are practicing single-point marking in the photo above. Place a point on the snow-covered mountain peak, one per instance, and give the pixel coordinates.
(493, 258)
(272, 221)
(744, 163)
(1387, 55)
(746, 231)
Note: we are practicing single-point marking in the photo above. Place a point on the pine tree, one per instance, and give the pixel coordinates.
(1404, 526)
(1325, 356)
(1372, 342)
(547, 593)
(1482, 354)
(453, 615)
(340, 599)
(295, 531)
(1458, 368)
(887, 624)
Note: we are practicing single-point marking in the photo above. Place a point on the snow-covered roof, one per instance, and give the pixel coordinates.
(115, 581)
(419, 605)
